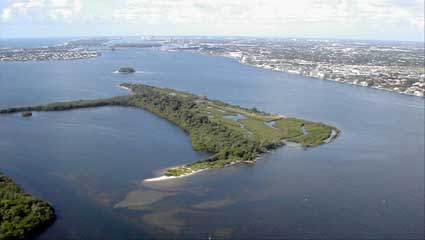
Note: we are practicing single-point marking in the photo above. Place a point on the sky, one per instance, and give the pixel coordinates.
(346, 19)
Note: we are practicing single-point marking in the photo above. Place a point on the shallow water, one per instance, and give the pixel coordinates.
(235, 117)
(367, 183)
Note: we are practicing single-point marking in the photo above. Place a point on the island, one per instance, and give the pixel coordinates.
(126, 70)
(26, 114)
(21, 215)
(230, 134)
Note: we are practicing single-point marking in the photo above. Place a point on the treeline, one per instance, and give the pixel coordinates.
(21, 215)
(64, 106)
(181, 109)
(205, 134)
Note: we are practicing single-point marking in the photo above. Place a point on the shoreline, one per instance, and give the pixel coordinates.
(334, 134)
(161, 178)
(126, 88)
(164, 178)
(325, 79)
(315, 78)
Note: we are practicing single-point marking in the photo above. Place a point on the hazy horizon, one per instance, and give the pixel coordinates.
(385, 20)
(212, 36)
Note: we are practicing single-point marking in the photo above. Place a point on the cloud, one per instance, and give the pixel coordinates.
(377, 12)
(6, 15)
(36, 11)
(273, 12)
(268, 13)
(310, 18)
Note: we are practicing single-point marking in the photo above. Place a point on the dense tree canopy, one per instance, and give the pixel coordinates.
(21, 214)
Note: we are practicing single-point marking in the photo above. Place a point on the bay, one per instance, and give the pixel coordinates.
(369, 183)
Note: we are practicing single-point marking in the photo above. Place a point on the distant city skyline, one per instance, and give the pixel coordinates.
(397, 20)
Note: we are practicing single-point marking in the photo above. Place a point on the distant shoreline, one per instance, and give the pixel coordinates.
(316, 78)
(326, 79)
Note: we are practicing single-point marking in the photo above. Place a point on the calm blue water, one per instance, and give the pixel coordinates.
(32, 42)
(369, 183)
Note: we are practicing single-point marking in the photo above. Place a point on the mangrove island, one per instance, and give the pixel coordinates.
(231, 134)
(21, 215)
(126, 70)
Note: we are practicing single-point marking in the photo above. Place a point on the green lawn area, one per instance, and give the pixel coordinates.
(317, 133)
(291, 127)
(232, 110)
(262, 131)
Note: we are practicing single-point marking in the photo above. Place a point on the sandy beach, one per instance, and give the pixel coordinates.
(163, 178)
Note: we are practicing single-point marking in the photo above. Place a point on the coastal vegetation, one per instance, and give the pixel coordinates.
(126, 70)
(21, 215)
(231, 134)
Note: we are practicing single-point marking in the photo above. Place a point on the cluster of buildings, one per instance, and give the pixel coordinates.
(45, 54)
(389, 66)
(408, 80)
